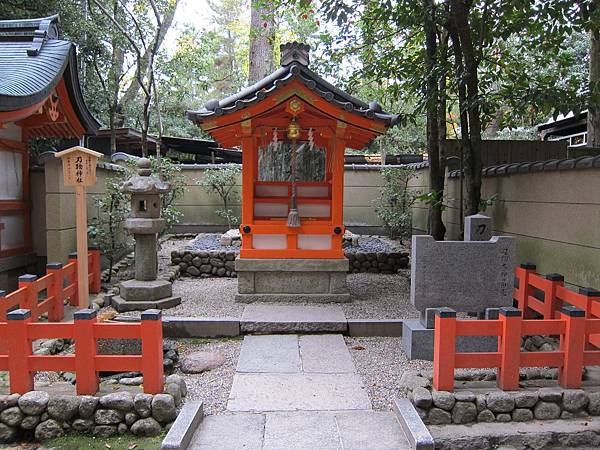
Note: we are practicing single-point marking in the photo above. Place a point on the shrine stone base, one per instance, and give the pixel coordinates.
(136, 295)
(292, 280)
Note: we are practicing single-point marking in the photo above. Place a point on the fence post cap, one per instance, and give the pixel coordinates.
(18, 314)
(54, 266)
(572, 311)
(528, 266)
(510, 311)
(445, 312)
(555, 277)
(73, 255)
(152, 314)
(27, 278)
(2, 293)
(84, 314)
(590, 292)
(93, 247)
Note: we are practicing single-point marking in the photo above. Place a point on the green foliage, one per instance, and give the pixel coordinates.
(106, 229)
(433, 199)
(393, 206)
(485, 203)
(222, 182)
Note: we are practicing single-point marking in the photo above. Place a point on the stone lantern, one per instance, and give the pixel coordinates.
(145, 222)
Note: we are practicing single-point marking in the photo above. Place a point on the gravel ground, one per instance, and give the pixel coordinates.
(211, 387)
(374, 296)
(380, 362)
(209, 241)
(368, 244)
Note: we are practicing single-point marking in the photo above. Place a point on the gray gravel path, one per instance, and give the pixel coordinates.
(374, 296)
(381, 362)
(211, 387)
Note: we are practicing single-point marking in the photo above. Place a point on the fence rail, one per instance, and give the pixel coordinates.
(571, 325)
(20, 330)
(59, 283)
(547, 294)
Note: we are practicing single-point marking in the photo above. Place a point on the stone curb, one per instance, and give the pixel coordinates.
(415, 430)
(209, 327)
(181, 432)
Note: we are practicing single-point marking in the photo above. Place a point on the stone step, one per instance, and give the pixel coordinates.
(278, 319)
(301, 430)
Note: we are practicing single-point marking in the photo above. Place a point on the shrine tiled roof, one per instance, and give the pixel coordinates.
(33, 60)
(294, 62)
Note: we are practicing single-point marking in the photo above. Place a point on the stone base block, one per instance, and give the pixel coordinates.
(135, 290)
(291, 298)
(292, 280)
(417, 341)
(122, 305)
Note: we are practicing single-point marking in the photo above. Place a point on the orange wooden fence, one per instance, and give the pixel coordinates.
(570, 324)
(19, 331)
(546, 295)
(59, 283)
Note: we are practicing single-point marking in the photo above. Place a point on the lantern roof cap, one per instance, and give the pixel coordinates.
(295, 60)
(144, 182)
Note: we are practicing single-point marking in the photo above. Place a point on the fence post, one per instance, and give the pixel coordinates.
(3, 342)
(57, 310)
(95, 269)
(152, 351)
(85, 352)
(593, 295)
(525, 271)
(509, 348)
(74, 300)
(444, 349)
(31, 298)
(572, 343)
(19, 350)
(551, 303)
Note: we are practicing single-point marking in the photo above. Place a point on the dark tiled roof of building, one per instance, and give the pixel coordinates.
(294, 58)
(33, 60)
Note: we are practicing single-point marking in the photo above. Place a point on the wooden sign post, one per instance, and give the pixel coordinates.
(79, 171)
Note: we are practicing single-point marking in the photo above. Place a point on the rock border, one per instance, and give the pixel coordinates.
(42, 416)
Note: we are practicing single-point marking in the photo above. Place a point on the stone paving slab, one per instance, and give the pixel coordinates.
(291, 392)
(269, 353)
(373, 430)
(325, 353)
(301, 431)
(268, 319)
(229, 432)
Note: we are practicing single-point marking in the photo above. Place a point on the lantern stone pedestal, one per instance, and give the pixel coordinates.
(292, 280)
(145, 291)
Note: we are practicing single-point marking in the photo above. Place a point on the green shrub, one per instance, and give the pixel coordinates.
(393, 206)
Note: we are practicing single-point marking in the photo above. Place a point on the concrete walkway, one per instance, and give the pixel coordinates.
(298, 392)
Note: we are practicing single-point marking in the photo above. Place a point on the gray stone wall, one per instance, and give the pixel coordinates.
(524, 405)
(40, 415)
(222, 264)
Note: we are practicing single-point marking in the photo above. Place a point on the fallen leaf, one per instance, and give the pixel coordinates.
(358, 347)
(107, 445)
(132, 446)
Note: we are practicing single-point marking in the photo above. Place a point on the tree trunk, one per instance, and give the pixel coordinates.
(436, 168)
(262, 40)
(460, 14)
(594, 85)
(134, 88)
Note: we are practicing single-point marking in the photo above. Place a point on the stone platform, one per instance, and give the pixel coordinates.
(136, 295)
(292, 280)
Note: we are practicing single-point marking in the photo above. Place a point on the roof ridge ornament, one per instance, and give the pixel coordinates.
(295, 52)
(47, 29)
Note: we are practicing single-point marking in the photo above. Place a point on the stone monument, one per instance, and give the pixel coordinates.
(145, 222)
(471, 276)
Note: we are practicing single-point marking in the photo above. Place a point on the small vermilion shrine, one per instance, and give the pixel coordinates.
(293, 128)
